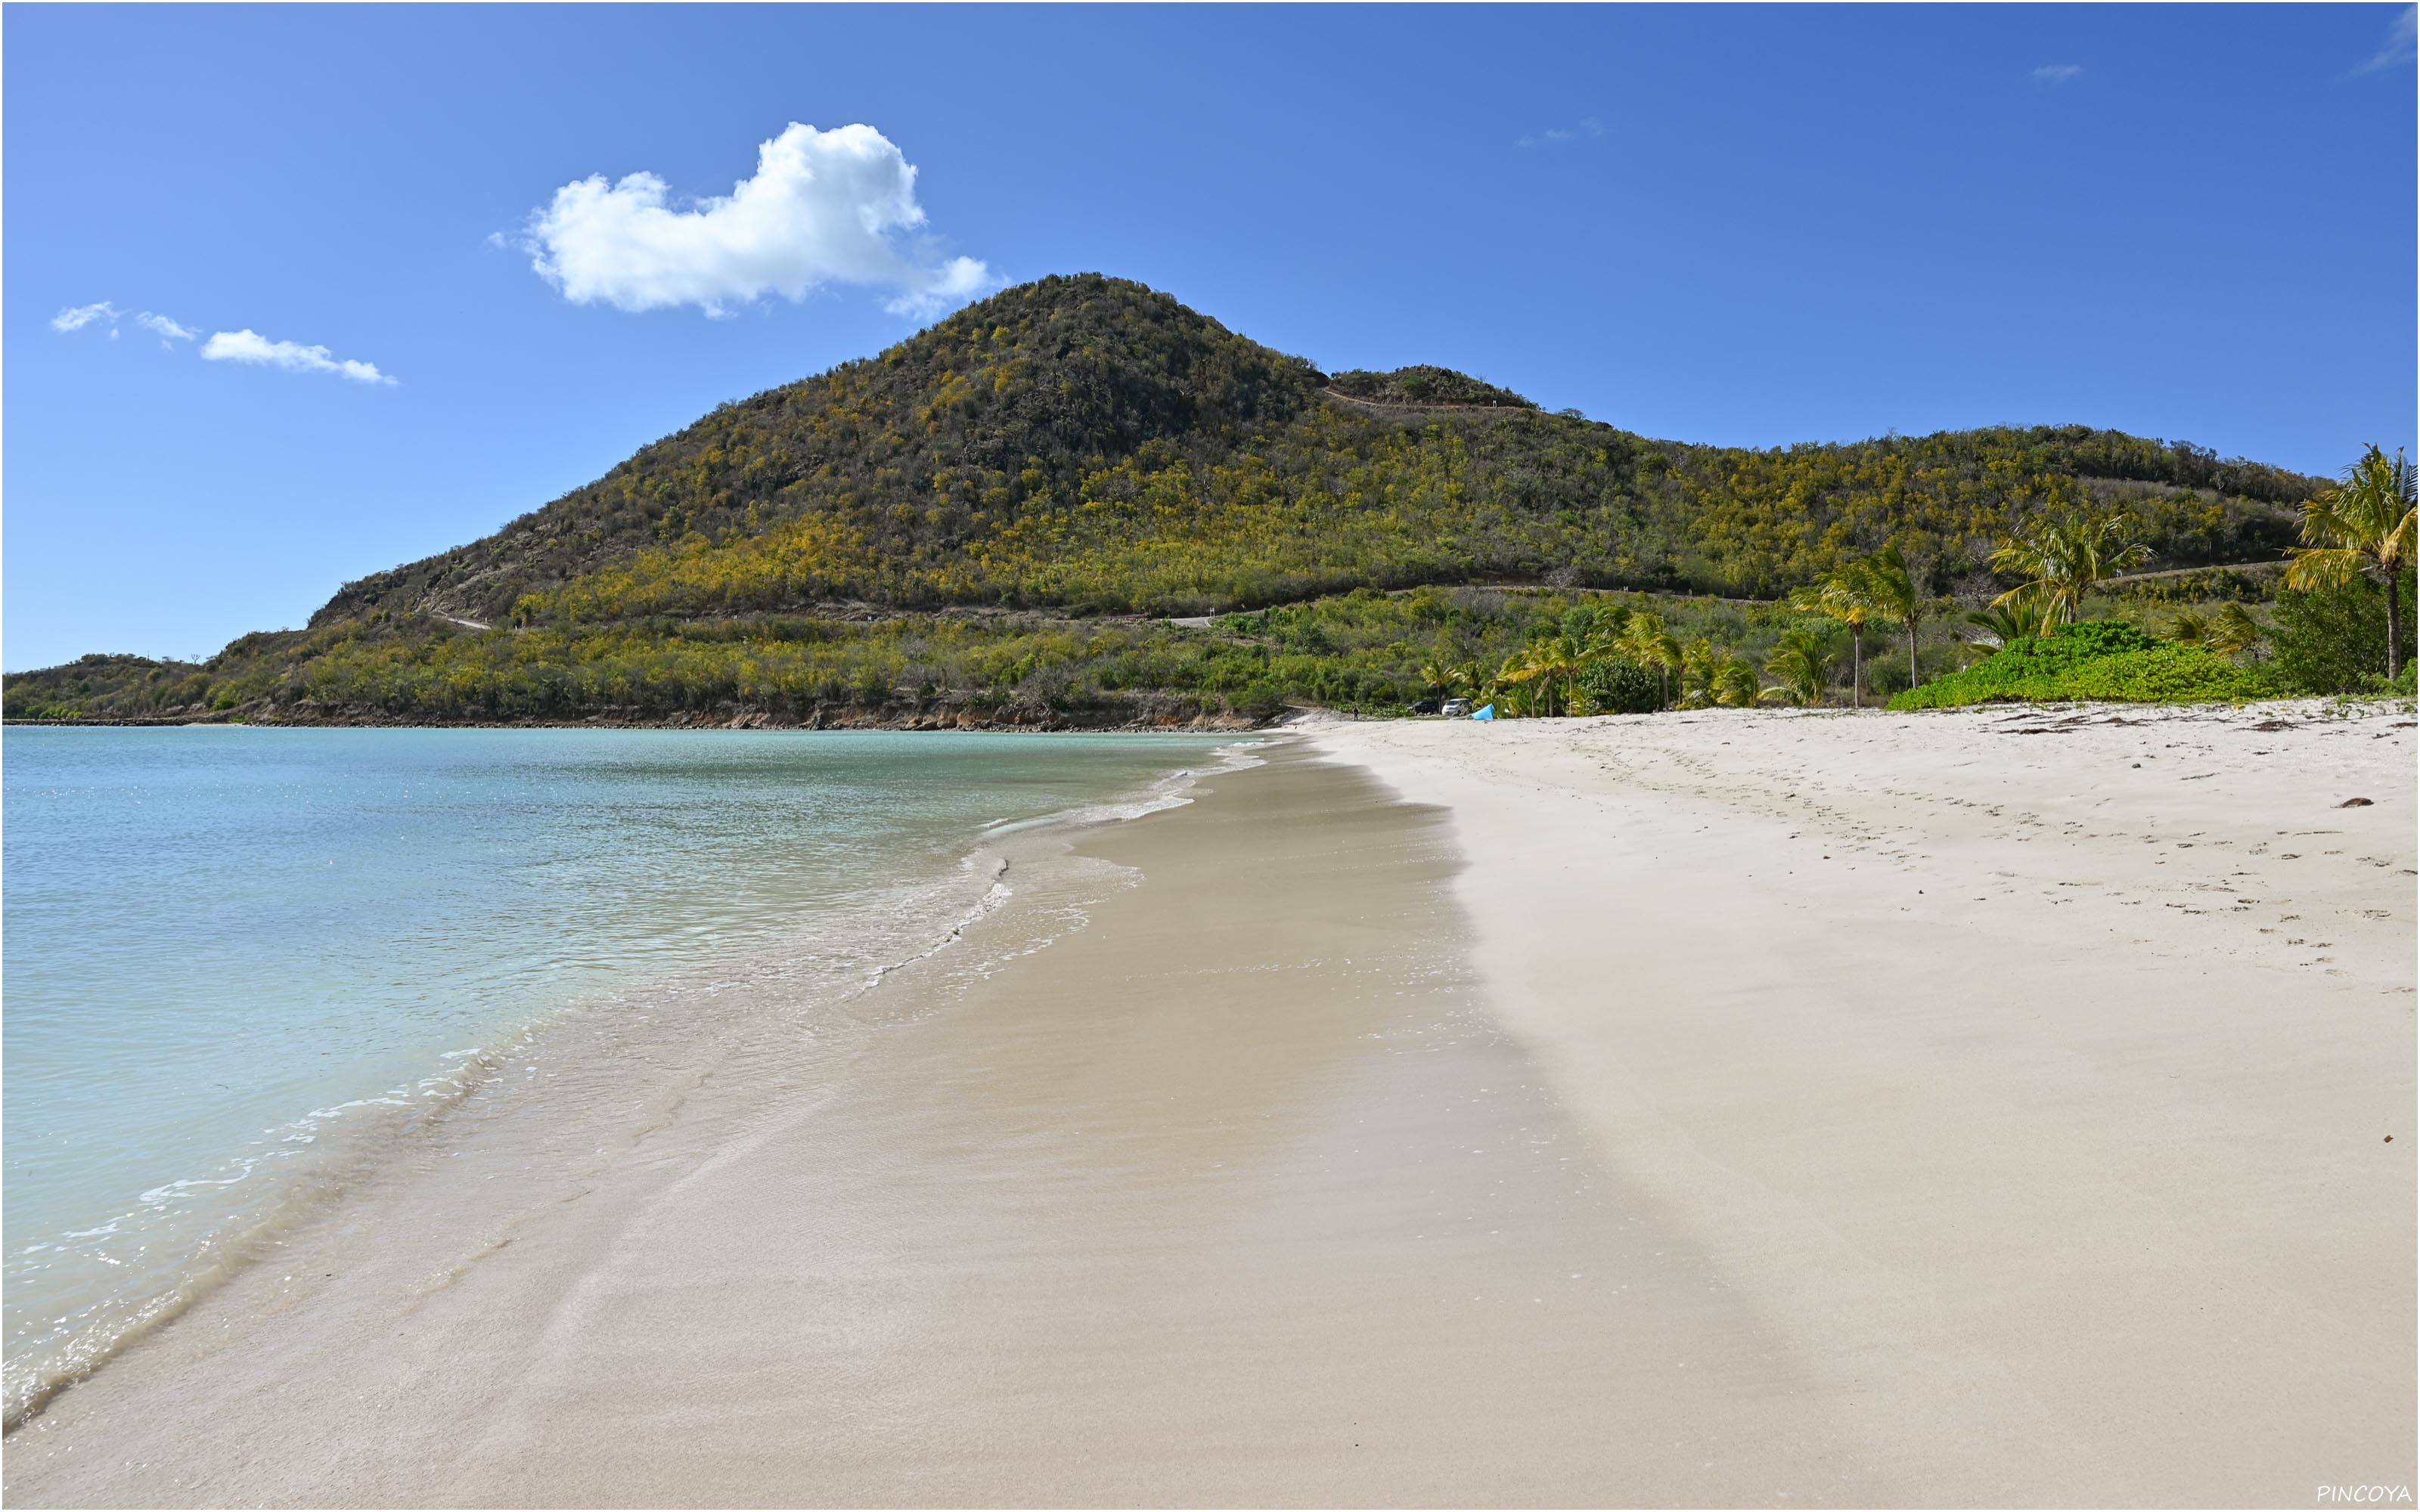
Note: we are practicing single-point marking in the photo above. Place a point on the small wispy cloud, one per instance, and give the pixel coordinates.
(77, 316)
(2055, 75)
(245, 346)
(2403, 42)
(168, 331)
(248, 346)
(1588, 126)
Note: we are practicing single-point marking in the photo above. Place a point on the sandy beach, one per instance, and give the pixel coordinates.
(2044, 1076)
(1721, 1108)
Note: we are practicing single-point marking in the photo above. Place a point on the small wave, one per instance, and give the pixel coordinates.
(995, 895)
(219, 1244)
(1173, 791)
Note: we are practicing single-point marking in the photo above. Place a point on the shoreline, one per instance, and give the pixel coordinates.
(1725, 1108)
(1216, 1194)
(746, 719)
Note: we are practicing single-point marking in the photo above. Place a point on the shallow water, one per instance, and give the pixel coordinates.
(229, 949)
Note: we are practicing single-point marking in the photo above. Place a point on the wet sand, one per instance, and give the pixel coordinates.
(2044, 1076)
(1235, 1192)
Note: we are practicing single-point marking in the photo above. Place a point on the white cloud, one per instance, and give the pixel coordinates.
(75, 318)
(2403, 42)
(952, 283)
(1588, 126)
(2055, 74)
(835, 206)
(250, 346)
(166, 329)
(245, 346)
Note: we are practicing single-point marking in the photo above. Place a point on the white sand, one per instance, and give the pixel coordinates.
(2045, 1079)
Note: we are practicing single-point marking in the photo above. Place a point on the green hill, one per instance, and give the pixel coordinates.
(950, 529)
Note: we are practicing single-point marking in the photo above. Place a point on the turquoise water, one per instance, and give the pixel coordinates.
(220, 943)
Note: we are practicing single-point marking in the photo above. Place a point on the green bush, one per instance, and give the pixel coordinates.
(2099, 659)
(2335, 641)
(2086, 642)
(1613, 687)
(1262, 701)
(2169, 674)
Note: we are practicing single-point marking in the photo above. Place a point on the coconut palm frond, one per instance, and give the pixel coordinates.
(1890, 586)
(2189, 626)
(2065, 557)
(2318, 568)
(2366, 524)
(2363, 528)
(1802, 668)
(2234, 631)
(1735, 684)
(1697, 671)
(2013, 616)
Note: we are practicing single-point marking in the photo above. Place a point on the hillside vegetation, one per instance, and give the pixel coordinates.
(952, 526)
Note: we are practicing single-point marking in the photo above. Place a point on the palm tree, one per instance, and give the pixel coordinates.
(1544, 672)
(2361, 528)
(1510, 688)
(1699, 665)
(1644, 640)
(1847, 596)
(1508, 691)
(2006, 622)
(1802, 666)
(1735, 682)
(2235, 631)
(1558, 661)
(1667, 653)
(1439, 676)
(1895, 596)
(2066, 557)
(2189, 626)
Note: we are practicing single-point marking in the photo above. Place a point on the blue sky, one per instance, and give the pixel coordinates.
(1738, 224)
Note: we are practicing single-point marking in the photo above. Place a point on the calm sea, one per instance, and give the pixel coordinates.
(225, 947)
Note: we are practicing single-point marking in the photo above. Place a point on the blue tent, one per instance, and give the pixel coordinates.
(1487, 712)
